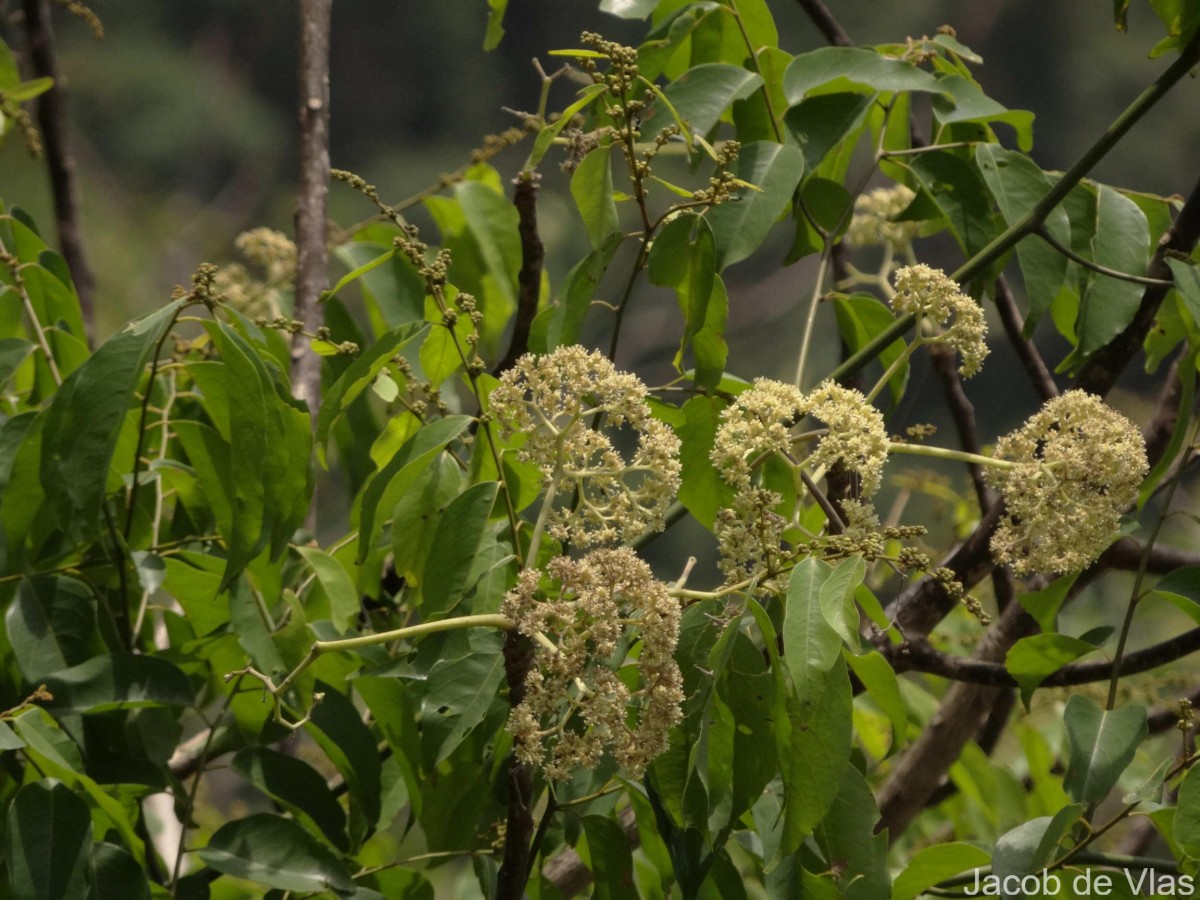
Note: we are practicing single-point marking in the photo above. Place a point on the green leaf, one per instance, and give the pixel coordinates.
(879, 678)
(1182, 588)
(811, 645)
(359, 375)
(118, 681)
(13, 352)
(1187, 814)
(830, 68)
(1151, 788)
(592, 188)
(51, 625)
(961, 196)
(456, 543)
(402, 470)
(930, 865)
(629, 9)
(1033, 659)
(611, 858)
(1027, 848)
(458, 694)
(84, 421)
(545, 139)
(860, 318)
(1102, 743)
(344, 602)
(968, 103)
(390, 284)
(48, 844)
(495, 24)
(829, 205)
(1044, 605)
(837, 599)
(28, 90)
(296, 785)
(274, 851)
(847, 834)
(1018, 184)
(116, 875)
(700, 95)
(702, 490)
(561, 322)
(740, 226)
(820, 123)
(492, 221)
(1187, 282)
(338, 728)
(1120, 243)
(683, 258)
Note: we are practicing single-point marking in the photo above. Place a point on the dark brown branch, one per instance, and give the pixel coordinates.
(1014, 326)
(963, 413)
(514, 869)
(921, 657)
(1101, 371)
(312, 276)
(829, 27)
(987, 739)
(1167, 411)
(529, 280)
(52, 120)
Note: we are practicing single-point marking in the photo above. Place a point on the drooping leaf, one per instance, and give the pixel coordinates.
(683, 258)
(821, 122)
(859, 68)
(1101, 744)
(1043, 605)
(1018, 184)
(297, 785)
(702, 490)
(961, 196)
(48, 844)
(117, 681)
(1033, 659)
(612, 861)
(1187, 814)
(456, 543)
(1182, 589)
(848, 839)
(458, 693)
(561, 322)
(338, 728)
(811, 645)
(344, 601)
(277, 852)
(930, 865)
(592, 188)
(879, 678)
(393, 289)
(51, 625)
(837, 599)
(116, 875)
(968, 103)
(741, 225)
(701, 95)
(84, 421)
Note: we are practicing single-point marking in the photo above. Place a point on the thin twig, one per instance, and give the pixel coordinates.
(829, 27)
(1027, 353)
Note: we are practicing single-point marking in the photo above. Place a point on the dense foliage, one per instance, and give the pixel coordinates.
(473, 661)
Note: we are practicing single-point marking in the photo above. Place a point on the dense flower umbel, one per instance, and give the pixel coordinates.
(929, 293)
(872, 221)
(1079, 466)
(576, 708)
(553, 399)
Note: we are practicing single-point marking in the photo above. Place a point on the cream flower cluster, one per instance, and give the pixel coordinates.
(929, 293)
(872, 224)
(553, 400)
(1078, 468)
(272, 252)
(575, 707)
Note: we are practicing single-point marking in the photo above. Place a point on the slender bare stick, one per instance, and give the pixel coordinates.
(51, 114)
(312, 277)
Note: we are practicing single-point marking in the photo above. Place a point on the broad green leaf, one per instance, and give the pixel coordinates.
(847, 833)
(879, 678)
(393, 290)
(561, 322)
(708, 344)
(84, 421)
(1027, 848)
(1033, 659)
(492, 220)
(51, 625)
(629, 9)
(274, 851)
(415, 518)
(358, 376)
(811, 645)
(1018, 184)
(611, 859)
(403, 468)
(823, 204)
(820, 123)
(683, 258)
(1182, 589)
(1101, 744)
(118, 681)
(457, 541)
(1187, 814)
(831, 67)
(248, 617)
(968, 103)
(48, 844)
(298, 786)
(337, 726)
(960, 195)
(702, 490)
(458, 694)
(740, 226)
(592, 188)
(860, 318)
(1187, 281)
(1044, 605)
(930, 865)
(701, 95)
(837, 599)
(344, 601)
(495, 24)
(1151, 789)
(755, 17)
(116, 875)
(13, 352)
(1119, 243)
